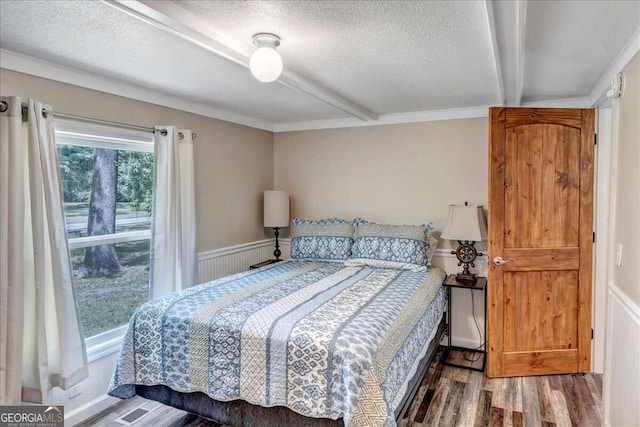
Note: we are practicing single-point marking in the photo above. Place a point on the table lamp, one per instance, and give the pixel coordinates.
(276, 214)
(467, 225)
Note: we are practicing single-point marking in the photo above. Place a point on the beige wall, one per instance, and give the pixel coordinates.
(402, 174)
(233, 163)
(626, 182)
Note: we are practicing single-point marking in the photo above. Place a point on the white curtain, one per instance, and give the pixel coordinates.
(41, 341)
(173, 234)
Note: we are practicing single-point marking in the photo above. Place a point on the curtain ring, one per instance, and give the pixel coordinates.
(3, 106)
(44, 113)
(193, 135)
(181, 135)
(163, 132)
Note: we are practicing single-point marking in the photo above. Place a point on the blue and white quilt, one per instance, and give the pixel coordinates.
(321, 338)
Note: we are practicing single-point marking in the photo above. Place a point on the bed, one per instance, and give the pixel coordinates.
(296, 342)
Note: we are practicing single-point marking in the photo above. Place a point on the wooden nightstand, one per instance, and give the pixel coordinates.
(480, 285)
(263, 263)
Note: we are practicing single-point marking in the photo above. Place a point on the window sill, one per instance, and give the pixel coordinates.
(105, 344)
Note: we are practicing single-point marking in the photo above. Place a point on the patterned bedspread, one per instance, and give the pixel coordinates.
(320, 338)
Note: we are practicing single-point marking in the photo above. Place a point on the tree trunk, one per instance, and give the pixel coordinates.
(102, 260)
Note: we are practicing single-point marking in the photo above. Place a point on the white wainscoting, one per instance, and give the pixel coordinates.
(233, 259)
(622, 361)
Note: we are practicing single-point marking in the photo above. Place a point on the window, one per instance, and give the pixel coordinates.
(107, 180)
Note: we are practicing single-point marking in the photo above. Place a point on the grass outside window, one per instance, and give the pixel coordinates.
(107, 192)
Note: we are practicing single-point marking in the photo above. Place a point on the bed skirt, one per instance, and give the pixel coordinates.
(240, 413)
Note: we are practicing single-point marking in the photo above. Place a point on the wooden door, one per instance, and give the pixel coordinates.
(541, 225)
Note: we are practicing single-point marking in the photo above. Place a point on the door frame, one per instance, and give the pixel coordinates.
(602, 227)
(588, 270)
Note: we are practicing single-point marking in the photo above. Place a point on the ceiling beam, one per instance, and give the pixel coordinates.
(494, 44)
(521, 6)
(179, 22)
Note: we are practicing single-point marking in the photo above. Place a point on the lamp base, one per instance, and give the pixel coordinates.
(466, 278)
(277, 252)
(466, 254)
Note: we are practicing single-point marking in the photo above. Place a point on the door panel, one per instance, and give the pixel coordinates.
(540, 222)
(525, 259)
(549, 362)
(542, 181)
(542, 309)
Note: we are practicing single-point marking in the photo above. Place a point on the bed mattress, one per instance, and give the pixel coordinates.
(320, 338)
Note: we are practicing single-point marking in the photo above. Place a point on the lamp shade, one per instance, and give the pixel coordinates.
(466, 222)
(276, 208)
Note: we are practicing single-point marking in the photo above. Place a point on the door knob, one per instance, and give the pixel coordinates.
(499, 261)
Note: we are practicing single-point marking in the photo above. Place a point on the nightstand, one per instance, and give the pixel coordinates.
(263, 263)
(480, 285)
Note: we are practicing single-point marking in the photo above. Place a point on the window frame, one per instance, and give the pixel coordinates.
(92, 135)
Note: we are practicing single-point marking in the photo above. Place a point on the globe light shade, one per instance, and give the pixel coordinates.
(265, 64)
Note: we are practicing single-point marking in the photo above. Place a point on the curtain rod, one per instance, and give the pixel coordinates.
(102, 122)
(4, 106)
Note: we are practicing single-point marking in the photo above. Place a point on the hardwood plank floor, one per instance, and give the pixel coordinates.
(448, 396)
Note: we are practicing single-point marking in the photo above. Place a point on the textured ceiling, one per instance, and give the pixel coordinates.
(569, 44)
(372, 57)
(95, 37)
(391, 57)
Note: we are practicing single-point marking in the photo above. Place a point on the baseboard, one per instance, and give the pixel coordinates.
(89, 409)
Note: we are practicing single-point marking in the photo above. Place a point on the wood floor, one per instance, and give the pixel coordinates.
(448, 396)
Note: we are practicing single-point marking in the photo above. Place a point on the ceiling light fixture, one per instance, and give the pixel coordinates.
(265, 63)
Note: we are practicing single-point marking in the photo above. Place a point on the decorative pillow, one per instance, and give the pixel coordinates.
(357, 262)
(433, 244)
(395, 246)
(325, 239)
(298, 221)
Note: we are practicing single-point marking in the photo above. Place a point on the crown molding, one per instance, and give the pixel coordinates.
(387, 119)
(579, 102)
(49, 70)
(424, 116)
(631, 48)
(175, 20)
(52, 71)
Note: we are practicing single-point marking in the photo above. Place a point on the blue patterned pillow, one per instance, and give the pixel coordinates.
(298, 221)
(399, 246)
(326, 239)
